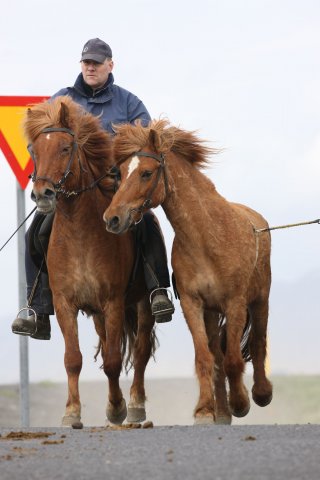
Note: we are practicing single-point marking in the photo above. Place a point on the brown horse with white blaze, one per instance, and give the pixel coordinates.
(220, 262)
(89, 268)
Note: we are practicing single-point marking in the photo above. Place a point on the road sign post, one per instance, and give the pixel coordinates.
(23, 340)
(13, 146)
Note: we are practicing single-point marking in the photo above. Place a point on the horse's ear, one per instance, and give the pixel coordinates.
(64, 115)
(154, 139)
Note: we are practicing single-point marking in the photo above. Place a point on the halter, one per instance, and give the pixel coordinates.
(58, 187)
(148, 201)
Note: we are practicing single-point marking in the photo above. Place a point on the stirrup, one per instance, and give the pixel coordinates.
(34, 321)
(163, 309)
(162, 289)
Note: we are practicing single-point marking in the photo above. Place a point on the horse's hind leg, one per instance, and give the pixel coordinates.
(204, 359)
(262, 387)
(234, 365)
(144, 346)
(73, 364)
(222, 411)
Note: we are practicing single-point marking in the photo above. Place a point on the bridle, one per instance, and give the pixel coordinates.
(161, 170)
(61, 182)
(59, 186)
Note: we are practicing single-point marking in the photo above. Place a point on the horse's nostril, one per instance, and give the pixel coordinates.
(114, 222)
(49, 193)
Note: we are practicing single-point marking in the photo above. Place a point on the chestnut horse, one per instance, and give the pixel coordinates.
(220, 263)
(89, 268)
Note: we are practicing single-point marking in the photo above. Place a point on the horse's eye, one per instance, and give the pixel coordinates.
(65, 150)
(146, 174)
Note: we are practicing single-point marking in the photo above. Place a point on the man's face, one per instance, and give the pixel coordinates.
(96, 74)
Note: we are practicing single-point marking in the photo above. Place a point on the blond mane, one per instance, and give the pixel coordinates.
(133, 138)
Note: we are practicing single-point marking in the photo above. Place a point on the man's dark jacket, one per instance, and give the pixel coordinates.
(112, 104)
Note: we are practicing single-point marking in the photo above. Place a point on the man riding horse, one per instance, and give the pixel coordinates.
(95, 90)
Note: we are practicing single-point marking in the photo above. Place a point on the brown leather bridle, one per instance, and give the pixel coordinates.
(59, 186)
(147, 203)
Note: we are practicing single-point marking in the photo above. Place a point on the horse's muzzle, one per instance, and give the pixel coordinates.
(117, 224)
(46, 201)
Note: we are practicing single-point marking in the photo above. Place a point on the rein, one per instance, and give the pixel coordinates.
(70, 193)
(24, 221)
(148, 201)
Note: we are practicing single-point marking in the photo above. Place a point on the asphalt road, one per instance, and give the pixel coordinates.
(255, 452)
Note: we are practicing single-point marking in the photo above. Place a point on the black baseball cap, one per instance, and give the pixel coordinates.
(97, 50)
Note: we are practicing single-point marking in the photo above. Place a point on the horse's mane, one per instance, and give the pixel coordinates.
(132, 138)
(91, 137)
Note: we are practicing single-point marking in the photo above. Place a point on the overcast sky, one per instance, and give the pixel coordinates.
(245, 75)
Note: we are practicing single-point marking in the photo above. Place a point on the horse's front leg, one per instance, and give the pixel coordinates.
(112, 359)
(223, 415)
(236, 314)
(67, 320)
(143, 348)
(204, 359)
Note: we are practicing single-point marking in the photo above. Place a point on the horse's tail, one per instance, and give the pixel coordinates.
(244, 344)
(98, 350)
(128, 339)
(130, 335)
(245, 350)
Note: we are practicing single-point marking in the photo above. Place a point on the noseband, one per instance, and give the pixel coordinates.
(148, 201)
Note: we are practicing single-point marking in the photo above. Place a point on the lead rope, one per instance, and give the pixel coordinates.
(268, 229)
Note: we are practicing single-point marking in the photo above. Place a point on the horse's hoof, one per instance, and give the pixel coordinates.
(204, 419)
(241, 413)
(69, 420)
(223, 420)
(239, 405)
(77, 425)
(116, 415)
(261, 401)
(136, 414)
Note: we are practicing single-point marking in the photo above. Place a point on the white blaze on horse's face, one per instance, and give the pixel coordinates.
(48, 136)
(133, 165)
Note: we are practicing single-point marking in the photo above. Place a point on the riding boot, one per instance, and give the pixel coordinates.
(39, 328)
(156, 268)
(37, 323)
(161, 306)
